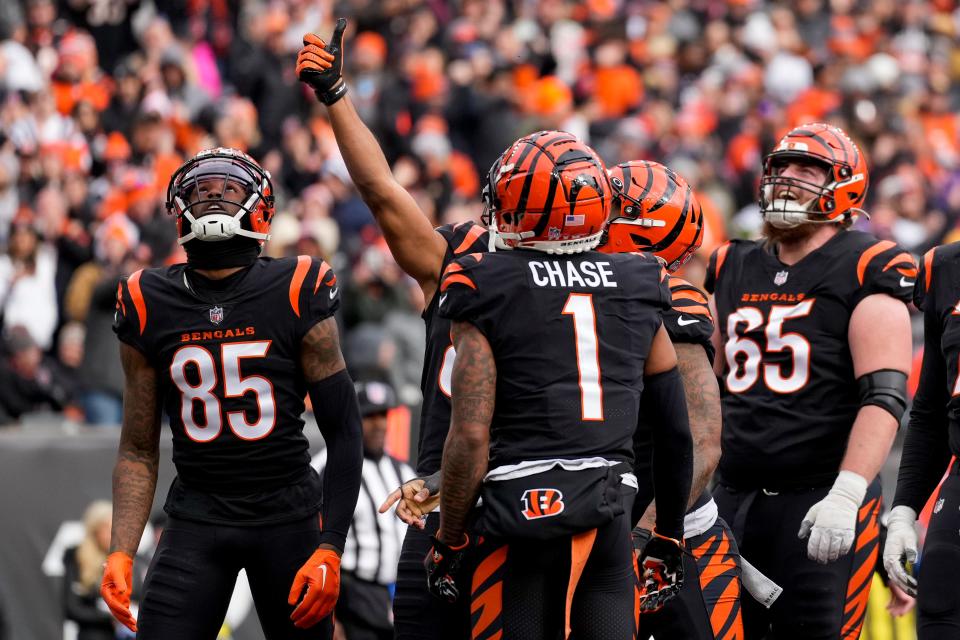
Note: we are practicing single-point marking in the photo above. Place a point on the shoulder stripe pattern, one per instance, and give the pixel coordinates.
(472, 236)
(928, 267)
(299, 275)
(699, 310)
(687, 294)
(869, 255)
(322, 271)
(904, 264)
(452, 275)
(136, 294)
(721, 256)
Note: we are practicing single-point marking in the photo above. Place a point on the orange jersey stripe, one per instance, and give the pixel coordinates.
(869, 255)
(472, 236)
(721, 256)
(686, 294)
(903, 257)
(133, 284)
(699, 309)
(324, 268)
(455, 278)
(299, 275)
(928, 267)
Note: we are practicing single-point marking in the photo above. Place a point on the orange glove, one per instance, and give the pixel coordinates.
(321, 575)
(320, 64)
(116, 586)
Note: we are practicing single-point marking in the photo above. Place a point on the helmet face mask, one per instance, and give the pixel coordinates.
(219, 194)
(548, 192)
(836, 199)
(654, 210)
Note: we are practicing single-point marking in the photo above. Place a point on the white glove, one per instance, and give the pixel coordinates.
(901, 547)
(832, 522)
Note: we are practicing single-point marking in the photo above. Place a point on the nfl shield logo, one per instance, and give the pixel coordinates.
(216, 315)
(778, 279)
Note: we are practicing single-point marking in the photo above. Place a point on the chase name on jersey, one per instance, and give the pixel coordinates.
(557, 273)
(218, 334)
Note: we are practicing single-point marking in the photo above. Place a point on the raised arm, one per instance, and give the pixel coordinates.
(338, 416)
(417, 248)
(134, 479)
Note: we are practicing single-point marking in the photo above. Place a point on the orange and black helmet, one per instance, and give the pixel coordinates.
(550, 192)
(837, 200)
(655, 210)
(253, 197)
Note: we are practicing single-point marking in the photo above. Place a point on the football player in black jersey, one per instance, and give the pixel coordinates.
(654, 209)
(815, 346)
(554, 344)
(228, 345)
(932, 438)
(422, 252)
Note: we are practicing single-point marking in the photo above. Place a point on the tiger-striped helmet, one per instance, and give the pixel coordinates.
(550, 192)
(837, 200)
(654, 209)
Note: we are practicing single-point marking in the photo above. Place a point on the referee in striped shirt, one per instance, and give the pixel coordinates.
(369, 565)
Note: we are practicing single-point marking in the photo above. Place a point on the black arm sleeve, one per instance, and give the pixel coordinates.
(338, 416)
(926, 450)
(666, 404)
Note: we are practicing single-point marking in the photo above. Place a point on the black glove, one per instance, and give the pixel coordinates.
(443, 565)
(661, 570)
(320, 65)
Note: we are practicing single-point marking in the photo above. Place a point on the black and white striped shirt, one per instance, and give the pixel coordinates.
(373, 542)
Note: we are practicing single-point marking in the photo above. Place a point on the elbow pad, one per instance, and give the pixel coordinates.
(885, 388)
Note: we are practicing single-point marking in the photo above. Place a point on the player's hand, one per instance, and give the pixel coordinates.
(320, 64)
(443, 565)
(661, 572)
(901, 548)
(832, 522)
(321, 576)
(901, 603)
(414, 499)
(116, 587)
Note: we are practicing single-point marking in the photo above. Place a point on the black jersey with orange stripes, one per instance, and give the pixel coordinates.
(231, 384)
(570, 335)
(462, 239)
(792, 396)
(934, 429)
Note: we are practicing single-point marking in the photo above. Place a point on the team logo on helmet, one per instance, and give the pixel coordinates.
(654, 209)
(542, 503)
(221, 193)
(788, 201)
(548, 191)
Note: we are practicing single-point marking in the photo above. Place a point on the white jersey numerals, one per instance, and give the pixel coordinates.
(234, 385)
(745, 356)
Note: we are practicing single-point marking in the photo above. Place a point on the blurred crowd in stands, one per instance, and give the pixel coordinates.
(101, 100)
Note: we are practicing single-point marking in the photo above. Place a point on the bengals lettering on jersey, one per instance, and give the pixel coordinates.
(230, 382)
(569, 334)
(791, 390)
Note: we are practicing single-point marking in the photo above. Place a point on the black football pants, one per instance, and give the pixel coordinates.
(417, 615)
(532, 589)
(938, 600)
(708, 606)
(195, 567)
(819, 601)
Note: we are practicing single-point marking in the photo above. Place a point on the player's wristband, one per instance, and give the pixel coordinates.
(332, 94)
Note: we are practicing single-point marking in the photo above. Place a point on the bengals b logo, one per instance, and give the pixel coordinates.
(542, 503)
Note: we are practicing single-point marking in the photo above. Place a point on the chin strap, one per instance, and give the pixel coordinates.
(218, 227)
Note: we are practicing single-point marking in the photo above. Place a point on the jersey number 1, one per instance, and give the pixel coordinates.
(580, 306)
(234, 386)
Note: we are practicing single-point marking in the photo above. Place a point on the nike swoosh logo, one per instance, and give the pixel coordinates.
(323, 570)
(442, 299)
(333, 292)
(683, 323)
(906, 283)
